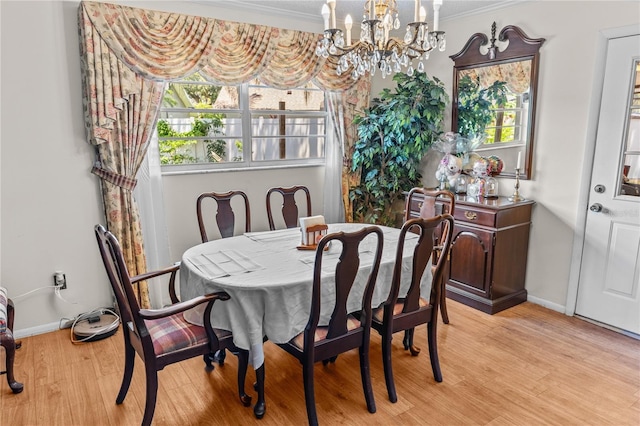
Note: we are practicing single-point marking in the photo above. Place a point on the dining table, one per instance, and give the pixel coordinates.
(269, 276)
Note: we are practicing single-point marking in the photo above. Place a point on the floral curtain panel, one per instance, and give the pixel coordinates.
(344, 107)
(126, 56)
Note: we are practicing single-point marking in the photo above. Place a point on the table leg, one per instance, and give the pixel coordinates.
(259, 409)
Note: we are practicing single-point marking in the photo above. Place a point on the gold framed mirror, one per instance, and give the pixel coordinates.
(495, 91)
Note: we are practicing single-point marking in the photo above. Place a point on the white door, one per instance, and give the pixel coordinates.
(608, 290)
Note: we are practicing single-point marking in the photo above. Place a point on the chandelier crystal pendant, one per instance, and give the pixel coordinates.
(377, 49)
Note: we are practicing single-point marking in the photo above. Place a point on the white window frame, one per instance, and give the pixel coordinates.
(246, 114)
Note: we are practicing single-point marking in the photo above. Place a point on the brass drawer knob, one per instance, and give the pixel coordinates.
(470, 215)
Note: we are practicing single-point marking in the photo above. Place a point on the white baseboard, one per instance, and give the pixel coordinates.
(47, 328)
(550, 305)
(33, 331)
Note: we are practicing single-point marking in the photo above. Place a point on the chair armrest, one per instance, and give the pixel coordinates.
(159, 272)
(182, 306)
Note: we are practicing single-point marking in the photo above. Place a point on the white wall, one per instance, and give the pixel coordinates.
(50, 201)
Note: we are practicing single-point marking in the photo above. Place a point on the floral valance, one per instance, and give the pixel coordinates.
(164, 46)
(517, 75)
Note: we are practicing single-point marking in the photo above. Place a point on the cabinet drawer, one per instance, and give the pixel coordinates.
(469, 214)
(416, 205)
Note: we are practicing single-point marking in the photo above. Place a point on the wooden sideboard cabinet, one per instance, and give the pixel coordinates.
(488, 258)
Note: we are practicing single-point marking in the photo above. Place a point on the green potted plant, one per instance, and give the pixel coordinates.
(394, 134)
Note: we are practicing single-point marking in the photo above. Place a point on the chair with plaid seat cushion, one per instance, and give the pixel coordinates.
(225, 218)
(6, 339)
(345, 330)
(406, 313)
(162, 336)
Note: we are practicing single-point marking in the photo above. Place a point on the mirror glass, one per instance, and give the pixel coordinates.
(494, 96)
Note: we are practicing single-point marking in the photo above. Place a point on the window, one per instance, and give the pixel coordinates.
(202, 125)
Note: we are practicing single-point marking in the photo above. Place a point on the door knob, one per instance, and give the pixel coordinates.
(596, 207)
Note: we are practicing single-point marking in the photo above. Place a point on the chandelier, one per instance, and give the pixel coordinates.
(377, 49)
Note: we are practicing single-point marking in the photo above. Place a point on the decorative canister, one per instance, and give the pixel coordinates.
(473, 190)
(491, 187)
(461, 184)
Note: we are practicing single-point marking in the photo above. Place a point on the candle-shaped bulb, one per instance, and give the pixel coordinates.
(348, 23)
(518, 163)
(436, 14)
(332, 8)
(423, 14)
(326, 13)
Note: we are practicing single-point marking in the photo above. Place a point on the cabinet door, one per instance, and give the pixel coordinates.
(471, 260)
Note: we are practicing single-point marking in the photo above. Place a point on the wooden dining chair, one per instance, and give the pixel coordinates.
(344, 331)
(225, 216)
(289, 206)
(161, 336)
(431, 206)
(225, 221)
(404, 314)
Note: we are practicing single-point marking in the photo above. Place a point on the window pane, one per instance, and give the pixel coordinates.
(203, 123)
(287, 136)
(287, 125)
(195, 92)
(631, 161)
(198, 150)
(287, 148)
(191, 137)
(305, 99)
(188, 123)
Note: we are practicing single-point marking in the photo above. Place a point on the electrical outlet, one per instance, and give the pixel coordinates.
(66, 323)
(60, 280)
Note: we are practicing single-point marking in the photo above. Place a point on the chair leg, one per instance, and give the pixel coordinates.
(220, 356)
(309, 393)
(331, 360)
(433, 349)
(443, 305)
(208, 361)
(129, 361)
(388, 370)
(243, 362)
(7, 342)
(408, 342)
(152, 394)
(365, 374)
(260, 408)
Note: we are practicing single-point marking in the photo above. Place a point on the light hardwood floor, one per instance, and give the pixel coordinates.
(523, 366)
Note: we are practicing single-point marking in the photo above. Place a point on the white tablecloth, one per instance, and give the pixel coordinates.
(269, 281)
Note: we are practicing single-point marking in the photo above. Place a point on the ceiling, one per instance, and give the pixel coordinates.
(311, 8)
